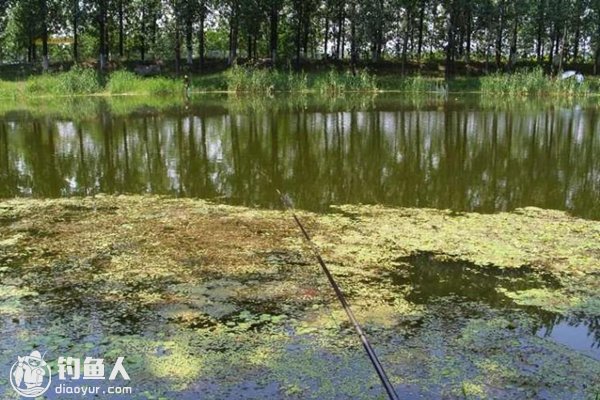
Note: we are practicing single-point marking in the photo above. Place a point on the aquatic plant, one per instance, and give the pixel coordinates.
(419, 84)
(257, 80)
(200, 314)
(335, 82)
(250, 80)
(125, 82)
(77, 80)
(531, 82)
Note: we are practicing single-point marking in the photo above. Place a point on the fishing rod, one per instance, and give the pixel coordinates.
(288, 205)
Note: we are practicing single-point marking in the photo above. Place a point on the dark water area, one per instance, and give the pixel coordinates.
(429, 281)
(458, 153)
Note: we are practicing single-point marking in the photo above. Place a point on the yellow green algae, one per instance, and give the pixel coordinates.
(214, 301)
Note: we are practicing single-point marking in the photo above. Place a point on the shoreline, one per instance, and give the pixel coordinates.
(249, 82)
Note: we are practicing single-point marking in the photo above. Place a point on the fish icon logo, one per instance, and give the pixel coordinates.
(30, 375)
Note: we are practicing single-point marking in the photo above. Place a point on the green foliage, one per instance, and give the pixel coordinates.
(531, 82)
(79, 81)
(257, 80)
(122, 82)
(254, 80)
(10, 90)
(335, 82)
(76, 81)
(418, 83)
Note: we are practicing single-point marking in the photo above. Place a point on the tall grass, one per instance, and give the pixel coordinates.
(531, 82)
(124, 82)
(254, 80)
(85, 81)
(419, 83)
(10, 90)
(251, 80)
(336, 82)
(76, 81)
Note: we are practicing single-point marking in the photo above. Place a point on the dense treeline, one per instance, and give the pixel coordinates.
(498, 33)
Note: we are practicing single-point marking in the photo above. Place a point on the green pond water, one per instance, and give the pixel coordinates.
(462, 152)
(458, 337)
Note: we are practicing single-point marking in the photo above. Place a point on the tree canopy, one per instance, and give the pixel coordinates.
(499, 33)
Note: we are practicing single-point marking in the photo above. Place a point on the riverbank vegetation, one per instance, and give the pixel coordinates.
(251, 80)
(86, 81)
(298, 46)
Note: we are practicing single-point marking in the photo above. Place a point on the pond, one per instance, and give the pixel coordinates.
(461, 153)
(209, 300)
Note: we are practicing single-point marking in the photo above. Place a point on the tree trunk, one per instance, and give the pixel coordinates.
(177, 48)
(188, 39)
(540, 29)
(29, 49)
(143, 34)
(340, 33)
(353, 47)
(551, 55)
(579, 11)
(233, 35)
(273, 23)
(107, 33)
(469, 34)
(513, 45)
(45, 59)
(562, 50)
(298, 41)
(405, 40)
(326, 35)
(121, 30)
(201, 39)
(305, 32)
(499, 34)
(75, 30)
(421, 23)
(597, 59)
(102, 34)
(249, 47)
(576, 43)
(450, 45)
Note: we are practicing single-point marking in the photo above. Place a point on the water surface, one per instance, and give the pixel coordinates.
(462, 153)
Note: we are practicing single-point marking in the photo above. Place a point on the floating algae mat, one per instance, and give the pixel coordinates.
(212, 301)
(428, 280)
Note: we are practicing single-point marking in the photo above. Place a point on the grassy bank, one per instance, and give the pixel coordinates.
(81, 81)
(85, 81)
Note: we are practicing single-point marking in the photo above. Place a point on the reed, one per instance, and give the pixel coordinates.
(125, 82)
(255, 80)
(534, 81)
